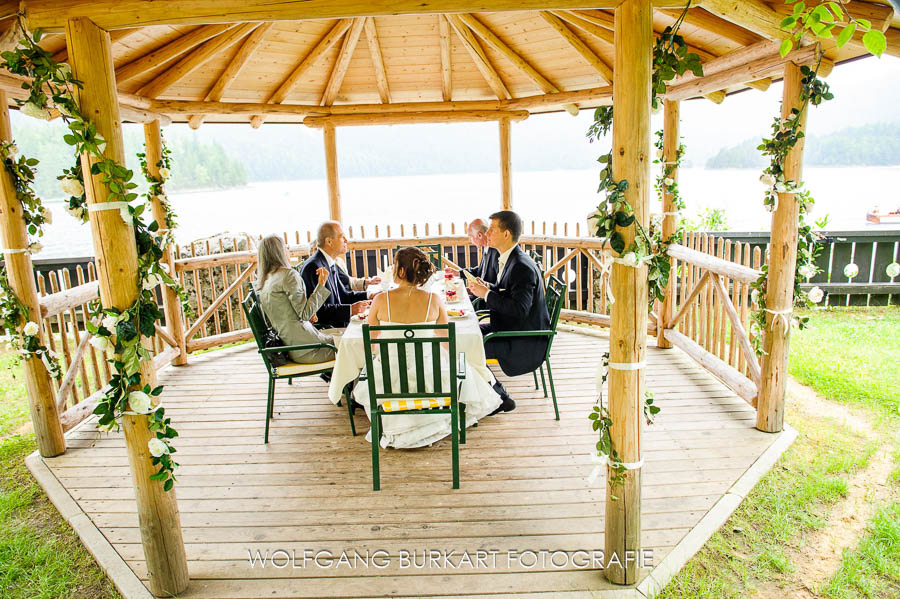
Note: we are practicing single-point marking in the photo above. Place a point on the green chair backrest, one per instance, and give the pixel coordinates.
(553, 296)
(406, 348)
(538, 259)
(256, 320)
(434, 251)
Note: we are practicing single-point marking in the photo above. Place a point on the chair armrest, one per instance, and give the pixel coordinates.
(461, 366)
(483, 312)
(285, 348)
(519, 334)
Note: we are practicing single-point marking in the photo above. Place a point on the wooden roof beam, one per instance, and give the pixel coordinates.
(707, 21)
(446, 59)
(324, 44)
(343, 61)
(51, 15)
(460, 116)
(381, 80)
(243, 56)
(579, 46)
(162, 55)
(487, 70)
(116, 36)
(753, 15)
(194, 60)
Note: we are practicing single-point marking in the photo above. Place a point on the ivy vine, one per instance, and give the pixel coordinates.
(123, 330)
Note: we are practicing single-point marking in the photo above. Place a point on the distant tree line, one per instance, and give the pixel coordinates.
(869, 145)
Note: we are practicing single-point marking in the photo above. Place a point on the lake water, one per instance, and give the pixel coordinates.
(845, 194)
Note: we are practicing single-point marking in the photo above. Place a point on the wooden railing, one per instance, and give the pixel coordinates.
(713, 306)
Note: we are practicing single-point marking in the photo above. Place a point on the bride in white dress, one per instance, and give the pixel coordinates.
(408, 304)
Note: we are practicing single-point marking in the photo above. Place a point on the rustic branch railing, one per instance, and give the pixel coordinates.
(712, 309)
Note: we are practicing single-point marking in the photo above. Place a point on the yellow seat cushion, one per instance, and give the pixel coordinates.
(294, 368)
(401, 405)
(491, 361)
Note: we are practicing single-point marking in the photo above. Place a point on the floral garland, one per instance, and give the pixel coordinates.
(27, 342)
(818, 21)
(156, 190)
(670, 59)
(122, 330)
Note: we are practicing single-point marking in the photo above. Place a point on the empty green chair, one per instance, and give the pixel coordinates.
(434, 251)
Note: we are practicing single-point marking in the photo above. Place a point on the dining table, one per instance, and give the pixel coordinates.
(351, 356)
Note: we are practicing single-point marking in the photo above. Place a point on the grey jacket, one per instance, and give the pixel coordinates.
(288, 309)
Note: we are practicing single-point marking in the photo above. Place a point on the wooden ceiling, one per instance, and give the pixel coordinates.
(393, 60)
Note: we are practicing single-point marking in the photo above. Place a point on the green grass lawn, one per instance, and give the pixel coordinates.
(851, 355)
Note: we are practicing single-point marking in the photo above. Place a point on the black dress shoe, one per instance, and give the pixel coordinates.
(507, 404)
(325, 376)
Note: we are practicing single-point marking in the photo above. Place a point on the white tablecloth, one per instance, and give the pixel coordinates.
(351, 358)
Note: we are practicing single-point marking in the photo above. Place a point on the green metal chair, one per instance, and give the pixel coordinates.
(434, 251)
(259, 325)
(419, 400)
(553, 296)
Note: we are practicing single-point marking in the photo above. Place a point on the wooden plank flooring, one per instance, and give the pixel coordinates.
(523, 485)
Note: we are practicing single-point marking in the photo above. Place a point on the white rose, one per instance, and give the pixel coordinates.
(164, 173)
(35, 111)
(99, 343)
(754, 296)
(13, 150)
(34, 247)
(152, 281)
(139, 402)
(9, 347)
(164, 267)
(767, 180)
(656, 220)
(31, 329)
(109, 322)
(669, 181)
(47, 216)
(630, 259)
(851, 270)
(659, 154)
(754, 329)
(781, 187)
(73, 187)
(157, 447)
(807, 270)
(65, 69)
(815, 295)
(892, 270)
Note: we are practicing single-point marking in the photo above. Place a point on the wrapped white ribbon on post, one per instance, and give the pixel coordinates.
(601, 461)
(122, 207)
(782, 316)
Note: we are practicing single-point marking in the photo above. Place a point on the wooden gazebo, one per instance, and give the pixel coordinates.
(327, 64)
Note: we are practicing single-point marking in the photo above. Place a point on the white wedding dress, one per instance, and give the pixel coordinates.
(418, 430)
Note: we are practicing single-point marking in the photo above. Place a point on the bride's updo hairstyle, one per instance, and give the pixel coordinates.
(414, 263)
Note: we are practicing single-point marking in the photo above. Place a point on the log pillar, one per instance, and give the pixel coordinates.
(505, 164)
(14, 235)
(670, 221)
(631, 158)
(782, 266)
(171, 303)
(117, 272)
(331, 167)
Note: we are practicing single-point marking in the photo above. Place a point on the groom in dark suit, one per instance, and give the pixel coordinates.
(516, 302)
(342, 302)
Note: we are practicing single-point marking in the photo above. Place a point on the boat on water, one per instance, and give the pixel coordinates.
(876, 216)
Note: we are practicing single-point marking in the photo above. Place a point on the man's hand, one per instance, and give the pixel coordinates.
(478, 287)
(358, 307)
(314, 319)
(373, 281)
(373, 294)
(323, 273)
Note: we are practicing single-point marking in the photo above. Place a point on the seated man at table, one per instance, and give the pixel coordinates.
(343, 302)
(516, 303)
(486, 270)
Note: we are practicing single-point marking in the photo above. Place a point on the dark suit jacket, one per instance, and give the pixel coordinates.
(488, 267)
(335, 312)
(517, 303)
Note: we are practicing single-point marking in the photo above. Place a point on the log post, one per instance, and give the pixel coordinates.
(117, 272)
(505, 166)
(670, 221)
(631, 160)
(331, 167)
(41, 400)
(171, 303)
(782, 266)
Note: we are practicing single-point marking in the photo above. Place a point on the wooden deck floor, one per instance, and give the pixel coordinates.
(523, 489)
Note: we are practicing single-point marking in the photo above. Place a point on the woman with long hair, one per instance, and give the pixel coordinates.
(287, 304)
